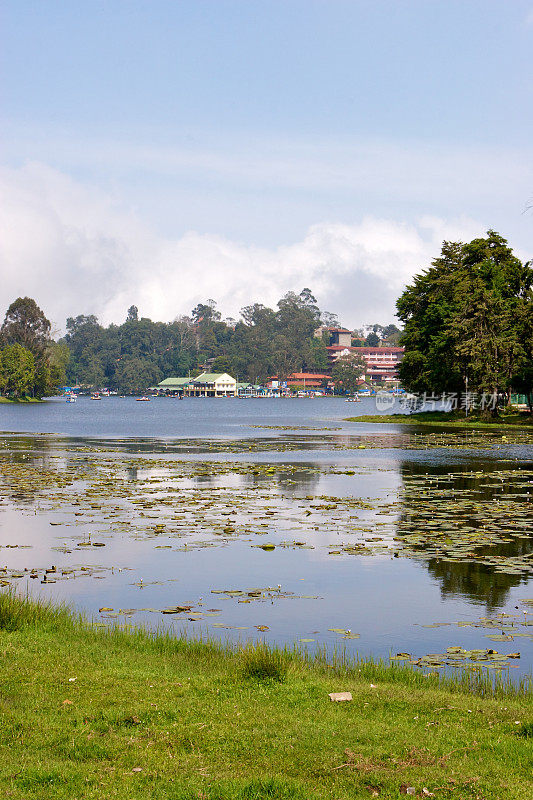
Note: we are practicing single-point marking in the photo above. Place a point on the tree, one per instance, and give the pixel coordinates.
(206, 312)
(133, 314)
(135, 375)
(347, 371)
(466, 319)
(372, 340)
(329, 319)
(17, 370)
(25, 324)
(426, 308)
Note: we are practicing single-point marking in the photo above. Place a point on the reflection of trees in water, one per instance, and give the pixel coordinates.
(31, 466)
(305, 476)
(470, 579)
(475, 581)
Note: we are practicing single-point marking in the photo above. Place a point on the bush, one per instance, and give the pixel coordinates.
(264, 664)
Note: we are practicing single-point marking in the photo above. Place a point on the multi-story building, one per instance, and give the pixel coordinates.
(335, 336)
(382, 362)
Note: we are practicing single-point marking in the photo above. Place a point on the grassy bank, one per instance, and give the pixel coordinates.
(20, 400)
(86, 713)
(449, 419)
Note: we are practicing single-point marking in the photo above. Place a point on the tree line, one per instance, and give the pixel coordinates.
(140, 352)
(468, 327)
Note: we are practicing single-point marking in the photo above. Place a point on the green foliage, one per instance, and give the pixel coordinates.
(526, 730)
(264, 664)
(140, 353)
(17, 370)
(372, 340)
(347, 371)
(469, 316)
(25, 325)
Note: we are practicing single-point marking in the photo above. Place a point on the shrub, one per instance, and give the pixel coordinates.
(263, 663)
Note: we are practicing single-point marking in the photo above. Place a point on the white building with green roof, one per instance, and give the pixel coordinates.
(213, 384)
(208, 384)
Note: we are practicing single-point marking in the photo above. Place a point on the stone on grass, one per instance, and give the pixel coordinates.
(338, 697)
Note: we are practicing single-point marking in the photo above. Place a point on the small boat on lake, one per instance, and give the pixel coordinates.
(143, 399)
(95, 396)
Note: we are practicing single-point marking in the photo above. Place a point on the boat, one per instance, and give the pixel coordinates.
(95, 396)
(143, 399)
(70, 398)
(353, 400)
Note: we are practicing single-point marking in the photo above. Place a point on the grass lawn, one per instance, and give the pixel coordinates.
(449, 419)
(86, 713)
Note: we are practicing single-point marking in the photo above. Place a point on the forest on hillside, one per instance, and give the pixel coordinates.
(140, 352)
(262, 343)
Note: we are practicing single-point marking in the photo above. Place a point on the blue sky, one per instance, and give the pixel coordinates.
(166, 151)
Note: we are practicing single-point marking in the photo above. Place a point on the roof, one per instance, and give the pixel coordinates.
(308, 376)
(376, 350)
(170, 383)
(367, 350)
(211, 377)
(302, 376)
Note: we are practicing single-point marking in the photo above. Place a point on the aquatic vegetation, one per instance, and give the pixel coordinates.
(470, 527)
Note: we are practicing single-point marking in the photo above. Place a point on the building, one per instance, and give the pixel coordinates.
(302, 380)
(382, 362)
(334, 336)
(173, 386)
(208, 384)
(212, 384)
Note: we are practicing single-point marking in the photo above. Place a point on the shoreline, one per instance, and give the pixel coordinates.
(445, 419)
(20, 400)
(91, 713)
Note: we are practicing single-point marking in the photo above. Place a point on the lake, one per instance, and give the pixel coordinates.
(275, 519)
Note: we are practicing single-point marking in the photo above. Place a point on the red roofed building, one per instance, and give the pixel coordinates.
(382, 362)
(309, 380)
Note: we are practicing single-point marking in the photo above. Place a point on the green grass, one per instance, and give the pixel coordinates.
(20, 399)
(151, 716)
(449, 418)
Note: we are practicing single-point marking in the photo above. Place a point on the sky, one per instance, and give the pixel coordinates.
(163, 152)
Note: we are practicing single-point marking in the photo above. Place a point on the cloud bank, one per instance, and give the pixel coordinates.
(77, 250)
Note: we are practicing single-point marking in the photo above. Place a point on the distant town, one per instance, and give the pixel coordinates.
(295, 349)
(379, 368)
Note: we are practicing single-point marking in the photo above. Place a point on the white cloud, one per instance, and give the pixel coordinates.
(76, 250)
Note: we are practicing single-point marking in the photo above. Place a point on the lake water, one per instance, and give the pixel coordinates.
(273, 519)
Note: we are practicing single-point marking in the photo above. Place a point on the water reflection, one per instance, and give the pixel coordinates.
(118, 519)
(472, 527)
